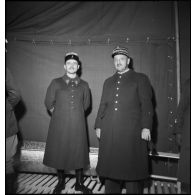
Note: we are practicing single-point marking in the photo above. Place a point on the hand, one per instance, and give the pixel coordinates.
(98, 133)
(146, 134)
(51, 110)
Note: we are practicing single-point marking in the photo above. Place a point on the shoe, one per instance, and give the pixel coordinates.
(59, 187)
(83, 189)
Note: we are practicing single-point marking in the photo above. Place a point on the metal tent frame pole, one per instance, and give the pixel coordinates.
(177, 51)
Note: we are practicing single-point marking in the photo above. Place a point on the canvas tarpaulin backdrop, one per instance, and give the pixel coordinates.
(40, 33)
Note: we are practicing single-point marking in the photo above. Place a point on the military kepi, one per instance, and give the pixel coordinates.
(120, 50)
(71, 56)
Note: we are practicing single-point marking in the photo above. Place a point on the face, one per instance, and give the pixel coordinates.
(121, 62)
(71, 66)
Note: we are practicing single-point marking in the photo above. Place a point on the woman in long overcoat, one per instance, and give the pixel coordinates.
(125, 110)
(68, 98)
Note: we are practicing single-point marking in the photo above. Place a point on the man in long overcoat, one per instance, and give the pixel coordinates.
(183, 132)
(123, 125)
(67, 98)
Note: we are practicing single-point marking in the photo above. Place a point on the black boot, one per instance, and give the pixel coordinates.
(79, 183)
(61, 182)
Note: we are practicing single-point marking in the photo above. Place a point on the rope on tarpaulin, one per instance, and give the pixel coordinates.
(92, 42)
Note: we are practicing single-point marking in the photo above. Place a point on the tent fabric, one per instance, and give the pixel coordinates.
(81, 19)
(38, 35)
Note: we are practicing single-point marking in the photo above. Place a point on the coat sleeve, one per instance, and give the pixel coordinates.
(181, 109)
(145, 96)
(102, 108)
(50, 96)
(12, 92)
(87, 97)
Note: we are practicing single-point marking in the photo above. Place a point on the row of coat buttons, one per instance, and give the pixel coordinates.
(72, 96)
(117, 88)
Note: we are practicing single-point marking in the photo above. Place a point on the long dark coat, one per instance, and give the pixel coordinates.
(12, 99)
(184, 128)
(67, 145)
(125, 109)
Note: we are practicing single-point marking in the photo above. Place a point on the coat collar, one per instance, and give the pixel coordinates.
(121, 73)
(125, 73)
(68, 80)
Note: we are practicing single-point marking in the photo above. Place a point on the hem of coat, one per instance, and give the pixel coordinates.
(84, 167)
(11, 133)
(122, 178)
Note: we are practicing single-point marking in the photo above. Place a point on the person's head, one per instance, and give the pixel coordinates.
(121, 58)
(71, 63)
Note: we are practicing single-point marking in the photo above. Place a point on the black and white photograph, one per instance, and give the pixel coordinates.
(97, 97)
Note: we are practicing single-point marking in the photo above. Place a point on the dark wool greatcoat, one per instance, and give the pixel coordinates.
(125, 109)
(67, 145)
(12, 99)
(184, 128)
